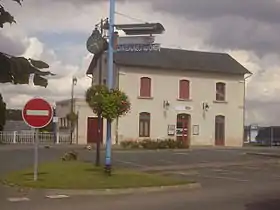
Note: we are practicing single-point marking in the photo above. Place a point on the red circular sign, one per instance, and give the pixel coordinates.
(37, 113)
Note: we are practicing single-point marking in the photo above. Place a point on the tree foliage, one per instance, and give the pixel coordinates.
(72, 117)
(109, 103)
(17, 70)
(2, 113)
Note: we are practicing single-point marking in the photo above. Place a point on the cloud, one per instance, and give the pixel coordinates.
(59, 86)
(247, 30)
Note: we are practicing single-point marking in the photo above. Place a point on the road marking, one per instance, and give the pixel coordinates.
(18, 199)
(57, 196)
(37, 112)
(250, 168)
(189, 173)
(131, 163)
(166, 161)
(180, 153)
(222, 177)
(227, 171)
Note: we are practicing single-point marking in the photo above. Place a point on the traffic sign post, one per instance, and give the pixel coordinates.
(37, 113)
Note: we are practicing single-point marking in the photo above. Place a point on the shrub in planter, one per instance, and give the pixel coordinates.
(149, 144)
(162, 144)
(125, 144)
(130, 144)
(182, 145)
(135, 145)
(172, 144)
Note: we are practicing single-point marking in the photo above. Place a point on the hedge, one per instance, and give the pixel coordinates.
(154, 144)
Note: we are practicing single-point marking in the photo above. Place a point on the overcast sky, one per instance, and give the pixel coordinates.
(56, 31)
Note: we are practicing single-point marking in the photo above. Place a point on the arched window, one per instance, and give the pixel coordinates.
(145, 87)
(184, 89)
(220, 91)
(144, 124)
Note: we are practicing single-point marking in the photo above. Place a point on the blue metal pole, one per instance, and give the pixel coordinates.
(110, 83)
(54, 125)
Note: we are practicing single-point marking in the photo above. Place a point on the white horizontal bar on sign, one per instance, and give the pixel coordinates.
(37, 112)
(136, 40)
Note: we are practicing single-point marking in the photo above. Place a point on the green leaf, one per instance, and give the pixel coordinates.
(39, 64)
(40, 81)
(20, 69)
(2, 113)
(18, 1)
(5, 66)
(5, 17)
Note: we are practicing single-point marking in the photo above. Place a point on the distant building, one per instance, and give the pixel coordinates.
(197, 97)
(14, 121)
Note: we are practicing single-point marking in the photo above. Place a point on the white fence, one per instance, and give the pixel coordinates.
(19, 137)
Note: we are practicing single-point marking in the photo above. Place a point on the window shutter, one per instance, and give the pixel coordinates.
(184, 89)
(145, 87)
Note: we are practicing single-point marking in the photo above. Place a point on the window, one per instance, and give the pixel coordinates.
(220, 91)
(144, 124)
(145, 87)
(184, 89)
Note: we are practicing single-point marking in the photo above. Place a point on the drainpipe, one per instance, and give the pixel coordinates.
(244, 106)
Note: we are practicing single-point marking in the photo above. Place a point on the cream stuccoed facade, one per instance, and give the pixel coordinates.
(202, 90)
(164, 105)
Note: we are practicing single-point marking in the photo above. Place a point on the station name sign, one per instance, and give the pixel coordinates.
(138, 47)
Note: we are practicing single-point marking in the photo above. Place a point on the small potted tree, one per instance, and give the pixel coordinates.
(109, 104)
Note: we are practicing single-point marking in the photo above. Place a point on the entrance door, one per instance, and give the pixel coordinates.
(92, 130)
(220, 130)
(183, 121)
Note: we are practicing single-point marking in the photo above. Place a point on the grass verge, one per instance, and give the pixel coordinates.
(81, 175)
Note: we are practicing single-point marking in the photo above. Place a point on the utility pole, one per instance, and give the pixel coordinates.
(110, 70)
(74, 82)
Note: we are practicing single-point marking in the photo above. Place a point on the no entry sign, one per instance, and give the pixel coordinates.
(37, 113)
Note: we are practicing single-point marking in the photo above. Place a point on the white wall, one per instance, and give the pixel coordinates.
(80, 106)
(165, 86)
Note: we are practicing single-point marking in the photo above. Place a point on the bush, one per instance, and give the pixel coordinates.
(154, 144)
(70, 156)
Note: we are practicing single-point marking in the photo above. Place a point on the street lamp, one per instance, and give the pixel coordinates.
(74, 83)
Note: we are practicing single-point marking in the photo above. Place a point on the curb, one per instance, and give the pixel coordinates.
(122, 191)
(263, 154)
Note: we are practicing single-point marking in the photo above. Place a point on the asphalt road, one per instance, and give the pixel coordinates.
(230, 180)
(22, 157)
(248, 190)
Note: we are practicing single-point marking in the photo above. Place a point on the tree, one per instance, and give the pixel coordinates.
(17, 70)
(72, 117)
(2, 113)
(109, 104)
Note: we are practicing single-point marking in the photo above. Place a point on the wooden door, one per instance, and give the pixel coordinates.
(183, 128)
(219, 130)
(92, 130)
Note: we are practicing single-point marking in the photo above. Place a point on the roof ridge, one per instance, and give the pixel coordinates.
(194, 51)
